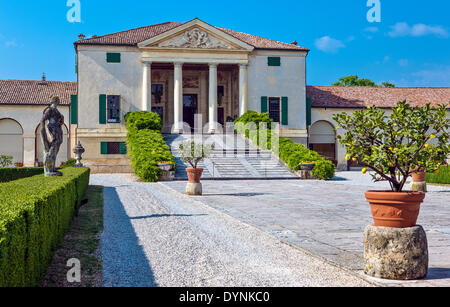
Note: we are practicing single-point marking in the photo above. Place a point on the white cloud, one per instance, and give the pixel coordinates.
(403, 29)
(11, 43)
(328, 44)
(403, 62)
(371, 29)
(437, 76)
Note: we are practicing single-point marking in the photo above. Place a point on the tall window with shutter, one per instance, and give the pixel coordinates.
(113, 109)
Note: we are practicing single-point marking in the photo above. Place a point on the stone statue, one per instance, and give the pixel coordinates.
(52, 142)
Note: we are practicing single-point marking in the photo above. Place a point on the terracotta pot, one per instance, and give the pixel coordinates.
(396, 210)
(419, 177)
(194, 174)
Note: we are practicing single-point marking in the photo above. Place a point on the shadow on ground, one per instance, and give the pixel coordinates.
(124, 262)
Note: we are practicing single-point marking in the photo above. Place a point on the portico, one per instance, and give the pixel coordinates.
(196, 45)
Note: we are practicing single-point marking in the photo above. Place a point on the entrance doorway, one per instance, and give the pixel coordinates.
(190, 108)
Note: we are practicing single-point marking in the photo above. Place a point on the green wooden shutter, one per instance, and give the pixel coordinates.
(308, 111)
(102, 109)
(104, 148)
(274, 61)
(123, 148)
(113, 57)
(264, 100)
(284, 111)
(74, 109)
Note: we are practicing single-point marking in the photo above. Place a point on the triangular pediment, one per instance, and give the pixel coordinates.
(196, 34)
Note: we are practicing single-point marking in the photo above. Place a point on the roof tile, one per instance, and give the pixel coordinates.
(358, 97)
(30, 92)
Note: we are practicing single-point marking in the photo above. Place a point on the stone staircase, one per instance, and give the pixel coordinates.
(234, 157)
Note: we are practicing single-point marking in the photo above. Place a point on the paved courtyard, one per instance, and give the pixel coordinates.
(155, 236)
(327, 219)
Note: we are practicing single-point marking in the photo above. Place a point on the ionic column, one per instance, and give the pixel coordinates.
(178, 98)
(147, 86)
(212, 97)
(243, 89)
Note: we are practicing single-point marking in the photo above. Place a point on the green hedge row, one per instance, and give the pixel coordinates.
(14, 173)
(35, 213)
(443, 177)
(289, 152)
(146, 145)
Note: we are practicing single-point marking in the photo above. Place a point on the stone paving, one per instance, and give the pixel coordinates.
(327, 218)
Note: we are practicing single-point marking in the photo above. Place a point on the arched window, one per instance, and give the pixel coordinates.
(323, 139)
(11, 139)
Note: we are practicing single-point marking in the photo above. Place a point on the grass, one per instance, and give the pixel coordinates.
(81, 242)
(443, 177)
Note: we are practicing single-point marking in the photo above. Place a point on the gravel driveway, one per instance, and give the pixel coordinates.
(154, 236)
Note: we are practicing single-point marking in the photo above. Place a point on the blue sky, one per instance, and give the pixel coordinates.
(409, 47)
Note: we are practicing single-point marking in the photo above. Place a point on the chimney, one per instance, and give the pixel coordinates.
(294, 43)
(43, 77)
(81, 36)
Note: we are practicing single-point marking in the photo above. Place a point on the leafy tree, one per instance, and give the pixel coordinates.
(393, 147)
(387, 84)
(354, 80)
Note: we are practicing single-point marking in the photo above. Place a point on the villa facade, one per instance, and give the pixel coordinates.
(196, 77)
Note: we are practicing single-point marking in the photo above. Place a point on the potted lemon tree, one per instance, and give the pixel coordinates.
(193, 153)
(392, 148)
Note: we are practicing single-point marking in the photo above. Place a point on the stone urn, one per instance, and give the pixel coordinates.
(167, 171)
(395, 209)
(307, 166)
(78, 151)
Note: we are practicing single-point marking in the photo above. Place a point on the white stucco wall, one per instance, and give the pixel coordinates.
(29, 118)
(288, 80)
(96, 77)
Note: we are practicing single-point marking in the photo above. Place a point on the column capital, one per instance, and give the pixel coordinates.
(146, 63)
(213, 65)
(178, 63)
(243, 65)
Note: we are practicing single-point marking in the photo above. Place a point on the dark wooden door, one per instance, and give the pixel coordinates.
(190, 108)
(221, 116)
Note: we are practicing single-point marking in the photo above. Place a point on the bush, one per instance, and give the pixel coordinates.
(442, 177)
(35, 213)
(69, 163)
(146, 145)
(324, 169)
(11, 174)
(143, 120)
(289, 152)
(5, 161)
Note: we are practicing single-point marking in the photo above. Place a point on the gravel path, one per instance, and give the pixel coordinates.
(154, 236)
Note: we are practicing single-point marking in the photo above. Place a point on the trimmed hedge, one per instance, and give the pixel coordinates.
(146, 145)
(15, 173)
(143, 120)
(443, 177)
(35, 213)
(289, 152)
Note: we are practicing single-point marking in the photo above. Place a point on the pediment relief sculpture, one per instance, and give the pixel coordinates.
(195, 38)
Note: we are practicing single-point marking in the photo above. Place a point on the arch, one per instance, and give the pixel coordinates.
(63, 154)
(322, 138)
(11, 139)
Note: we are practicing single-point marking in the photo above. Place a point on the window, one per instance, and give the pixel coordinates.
(159, 111)
(220, 94)
(113, 108)
(274, 61)
(274, 109)
(113, 148)
(157, 91)
(113, 58)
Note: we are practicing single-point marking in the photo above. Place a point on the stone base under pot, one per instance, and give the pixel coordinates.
(419, 186)
(396, 253)
(194, 189)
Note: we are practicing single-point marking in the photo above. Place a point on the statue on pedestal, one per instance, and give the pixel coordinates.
(51, 123)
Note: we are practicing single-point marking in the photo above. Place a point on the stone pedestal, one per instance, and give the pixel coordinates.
(419, 186)
(194, 189)
(395, 253)
(305, 175)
